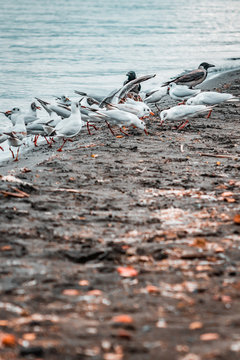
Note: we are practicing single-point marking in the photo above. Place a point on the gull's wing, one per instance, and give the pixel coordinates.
(192, 76)
(108, 99)
(131, 84)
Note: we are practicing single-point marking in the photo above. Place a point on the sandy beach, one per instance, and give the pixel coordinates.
(125, 248)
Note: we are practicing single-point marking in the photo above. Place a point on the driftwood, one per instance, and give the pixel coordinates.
(220, 156)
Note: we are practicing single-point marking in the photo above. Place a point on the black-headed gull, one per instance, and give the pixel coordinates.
(68, 127)
(119, 118)
(29, 116)
(212, 98)
(60, 110)
(183, 112)
(132, 76)
(181, 92)
(17, 133)
(192, 78)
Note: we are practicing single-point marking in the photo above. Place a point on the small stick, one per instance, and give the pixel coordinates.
(220, 156)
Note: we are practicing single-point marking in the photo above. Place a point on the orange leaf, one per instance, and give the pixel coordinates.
(126, 319)
(230, 200)
(199, 242)
(70, 292)
(3, 323)
(209, 337)
(6, 248)
(9, 340)
(127, 271)
(83, 283)
(119, 136)
(227, 193)
(94, 155)
(124, 334)
(236, 219)
(195, 325)
(29, 336)
(95, 292)
(151, 289)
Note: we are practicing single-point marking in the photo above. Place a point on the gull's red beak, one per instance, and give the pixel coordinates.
(152, 113)
(145, 131)
(38, 107)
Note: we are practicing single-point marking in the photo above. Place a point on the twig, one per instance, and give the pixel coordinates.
(220, 156)
(86, 146)
(75, 191)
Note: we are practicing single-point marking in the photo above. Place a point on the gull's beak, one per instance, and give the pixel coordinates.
(38, 107)
(152, 113)
(145, 131)
(9, 112)
(211, 65)
(67, 99)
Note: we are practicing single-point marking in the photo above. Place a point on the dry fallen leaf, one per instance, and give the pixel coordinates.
(199, 242)
(6, 248)
(127, 271)
(209, 337)
(151, 289)
(195, 325)
(112, 356)
(126, 319)
(29, 336)
(70, 292)
(95, 292)
(236, 219)
(227, 194)
(8, 340)
(83, 283)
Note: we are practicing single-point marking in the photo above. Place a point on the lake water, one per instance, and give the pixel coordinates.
(53, 47)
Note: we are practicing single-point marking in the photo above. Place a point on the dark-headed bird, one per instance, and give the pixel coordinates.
(192, 78)
(132, 76)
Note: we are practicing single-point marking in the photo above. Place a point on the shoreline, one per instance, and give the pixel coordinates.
(125, 248)
(209, 84)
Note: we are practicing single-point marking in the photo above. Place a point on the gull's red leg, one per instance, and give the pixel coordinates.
(12, 153)
(64, 141)
(110, 127)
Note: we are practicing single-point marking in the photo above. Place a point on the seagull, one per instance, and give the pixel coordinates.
(68, 127)
(17, 133)
(132, 76)
(192, 78)
(30, 116)
(156, 95)
(60, 110)
(182, 112)
(119, 118)
(211, 98)
(138, 108)
(181, 92)
(63, 100)
(119, 95)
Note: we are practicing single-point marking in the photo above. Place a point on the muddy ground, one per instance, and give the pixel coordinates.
(141, 227)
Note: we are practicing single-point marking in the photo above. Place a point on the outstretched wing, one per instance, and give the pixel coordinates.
(108, 99)
(131, 84)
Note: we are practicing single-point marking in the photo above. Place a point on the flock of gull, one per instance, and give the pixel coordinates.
(123, 107)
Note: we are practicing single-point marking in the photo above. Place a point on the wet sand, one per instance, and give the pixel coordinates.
(140, 226)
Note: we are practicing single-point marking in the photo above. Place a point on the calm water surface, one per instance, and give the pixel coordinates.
(53, 47)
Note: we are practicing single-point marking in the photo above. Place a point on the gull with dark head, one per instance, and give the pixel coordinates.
(192, 78)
